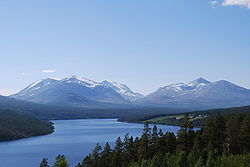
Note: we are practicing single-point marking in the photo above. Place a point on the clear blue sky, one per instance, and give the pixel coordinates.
(142, 43)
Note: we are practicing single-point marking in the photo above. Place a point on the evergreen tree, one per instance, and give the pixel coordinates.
(170, 160)
(129, 150)
(137, 148)
(44, 163)
(145, 163)
(61, 161)
(171, 142)
(197, 150)
(155, 142)
(156, 161)
(211, 160)
(182, 160)
(144, 149)
(96, 154)
(199, 163)
(244, 135)
(105, 156)
(215, 133)
(186, 134)
(87, 161)
(233, 125)
(117, 154)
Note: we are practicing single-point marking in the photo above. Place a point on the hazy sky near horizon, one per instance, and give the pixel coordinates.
(144, 44)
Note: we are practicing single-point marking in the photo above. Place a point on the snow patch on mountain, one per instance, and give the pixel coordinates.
(36, 86)
(198, 83)
(81, 81)
(200, 93)
(123, 90)
(44, 84)
(173, 90)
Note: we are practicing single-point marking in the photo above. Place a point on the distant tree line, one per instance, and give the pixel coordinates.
(224, 141)
(200, 116)
(16, 126)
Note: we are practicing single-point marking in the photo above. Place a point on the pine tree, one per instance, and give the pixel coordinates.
(61, 161)
(215, 133)
(199, 163)
(145, 163)
(170, 160)
(155, 142)
(182, 160)
(156, 161)
(129, 150)
(195, 154)
(233, 124)
(144, 149)
(117, 153)
(137, 148)
(211, 160)
(244, 135)
(96, 154)
(87, 161)
(44, 163)
(105, 156)
(171, 142)
(186, 134)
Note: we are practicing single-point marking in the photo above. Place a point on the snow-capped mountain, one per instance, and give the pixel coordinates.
(35, 87)
(123, 90)
(81, 92)
(76, 91)
(179, 89)
(200, 94)
(198, 83)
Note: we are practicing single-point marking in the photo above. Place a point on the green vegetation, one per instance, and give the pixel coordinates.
(224, 141)
(198, 117)
(16, 126)
(177, 119)
(169, 119)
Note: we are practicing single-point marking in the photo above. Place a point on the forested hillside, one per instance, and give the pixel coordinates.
(16, 126)
(48, 112)
(224, 141)
(198, 117)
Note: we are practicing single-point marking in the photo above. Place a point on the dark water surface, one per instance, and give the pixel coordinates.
(72, 138)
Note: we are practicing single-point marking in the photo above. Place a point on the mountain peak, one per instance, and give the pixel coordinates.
(80, 80)
(43, 81)
(109, 82)
(122, 89)
(223, 82)
(201, 80)
(198, 83)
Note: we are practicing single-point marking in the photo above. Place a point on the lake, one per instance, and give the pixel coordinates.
(73, 138)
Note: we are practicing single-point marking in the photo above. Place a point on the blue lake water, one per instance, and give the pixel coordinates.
(73, 138)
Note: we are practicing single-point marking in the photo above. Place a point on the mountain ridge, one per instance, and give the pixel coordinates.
(74, 91)
(200, 94)
(52, 91)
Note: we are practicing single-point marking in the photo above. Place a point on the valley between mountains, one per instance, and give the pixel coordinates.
(28, 113)
(75, 97)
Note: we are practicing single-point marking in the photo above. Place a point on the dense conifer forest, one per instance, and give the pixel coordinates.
(224, 141)
(16, 126)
